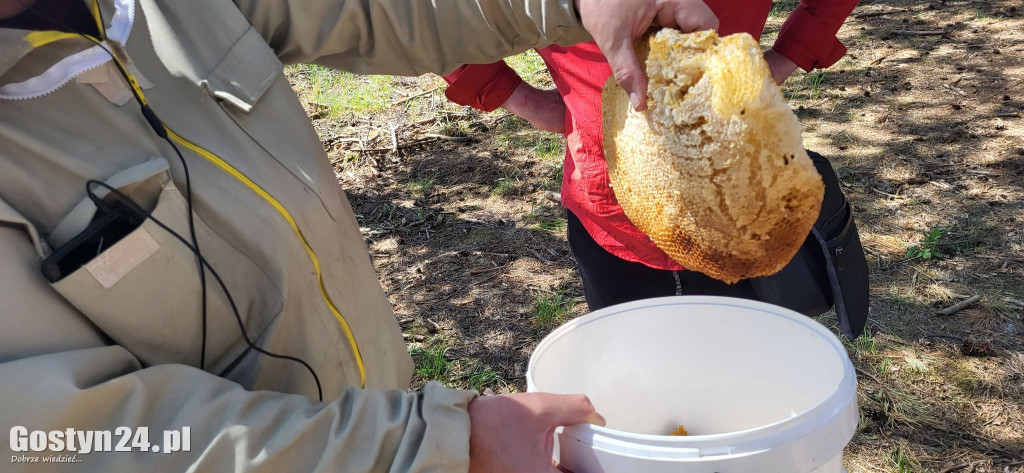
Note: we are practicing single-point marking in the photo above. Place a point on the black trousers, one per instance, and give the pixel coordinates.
(610, 280)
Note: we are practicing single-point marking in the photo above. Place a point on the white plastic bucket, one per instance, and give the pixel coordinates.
(760, 388)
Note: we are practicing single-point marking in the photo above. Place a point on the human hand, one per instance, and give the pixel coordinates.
(616, 24)
(514, 433)
(780, 66)
(544, 109)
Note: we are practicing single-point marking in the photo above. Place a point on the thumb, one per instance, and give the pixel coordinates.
(628, 70)
(699, 20)
(572, 409)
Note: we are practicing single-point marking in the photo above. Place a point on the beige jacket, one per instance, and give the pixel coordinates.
(116, 343)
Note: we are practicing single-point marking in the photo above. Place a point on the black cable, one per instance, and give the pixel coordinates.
(195, 243)
(143, 214)
(158, 128)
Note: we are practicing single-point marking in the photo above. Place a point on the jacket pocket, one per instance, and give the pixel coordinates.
(144, 291)
(250, 87)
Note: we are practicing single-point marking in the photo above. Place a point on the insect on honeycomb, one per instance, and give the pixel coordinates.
(714, 171)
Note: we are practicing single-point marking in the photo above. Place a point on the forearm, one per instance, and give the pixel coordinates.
(233, 429)
(410, 37)
(808, 37)
(484, 87)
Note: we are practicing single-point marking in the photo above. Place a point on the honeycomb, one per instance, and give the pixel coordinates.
(714, 171)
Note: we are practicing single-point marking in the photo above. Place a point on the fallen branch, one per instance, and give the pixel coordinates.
(959, 306)
(1007, 115)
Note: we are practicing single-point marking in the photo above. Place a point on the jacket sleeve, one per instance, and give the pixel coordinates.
(410, 37)
(482, 86)
(808, 37)
(59, 373)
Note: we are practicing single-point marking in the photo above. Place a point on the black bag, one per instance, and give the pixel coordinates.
(830, 269)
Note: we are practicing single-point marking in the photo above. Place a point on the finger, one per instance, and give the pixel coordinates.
(572, 409)
(628, 71)
(696, 20)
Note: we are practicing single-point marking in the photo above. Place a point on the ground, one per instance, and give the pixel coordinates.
(923, 121)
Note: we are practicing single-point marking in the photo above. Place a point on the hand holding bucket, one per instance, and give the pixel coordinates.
(760, 388)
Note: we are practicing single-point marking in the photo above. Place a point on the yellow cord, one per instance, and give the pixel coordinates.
(40, 38)
(291, 221)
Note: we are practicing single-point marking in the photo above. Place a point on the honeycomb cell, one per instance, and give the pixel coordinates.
(714, 171)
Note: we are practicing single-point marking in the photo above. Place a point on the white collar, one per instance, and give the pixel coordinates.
(70, 67)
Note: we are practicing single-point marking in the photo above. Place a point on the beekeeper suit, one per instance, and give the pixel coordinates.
(117, 341)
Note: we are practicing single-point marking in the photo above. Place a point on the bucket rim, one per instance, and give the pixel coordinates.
(737, 442)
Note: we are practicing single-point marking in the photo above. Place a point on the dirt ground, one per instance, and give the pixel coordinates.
(923, 121)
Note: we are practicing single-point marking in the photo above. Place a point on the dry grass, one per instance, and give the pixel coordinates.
(922, 132)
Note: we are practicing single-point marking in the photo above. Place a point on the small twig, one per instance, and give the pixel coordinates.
(420, 94)
(920, 32)
(554, 197)
(447, 138)
(394, 137)
(474, 272)
(492, 253)
(426, 301)
(1001, 258)
(979, 172)
(882, 13)
(1007, 115)
(486, 280)
(869, 375)
(959, 306)
(416, 338)
(879, 191)
(955, 89)
(539, 256)
(947, 337)
(956, 467)
(889, 266)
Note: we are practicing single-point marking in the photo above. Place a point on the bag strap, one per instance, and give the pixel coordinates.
(833, 280)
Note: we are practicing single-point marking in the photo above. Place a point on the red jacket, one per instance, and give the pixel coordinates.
(808, 38)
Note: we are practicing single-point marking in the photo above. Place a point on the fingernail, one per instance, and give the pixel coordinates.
(634, 98)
